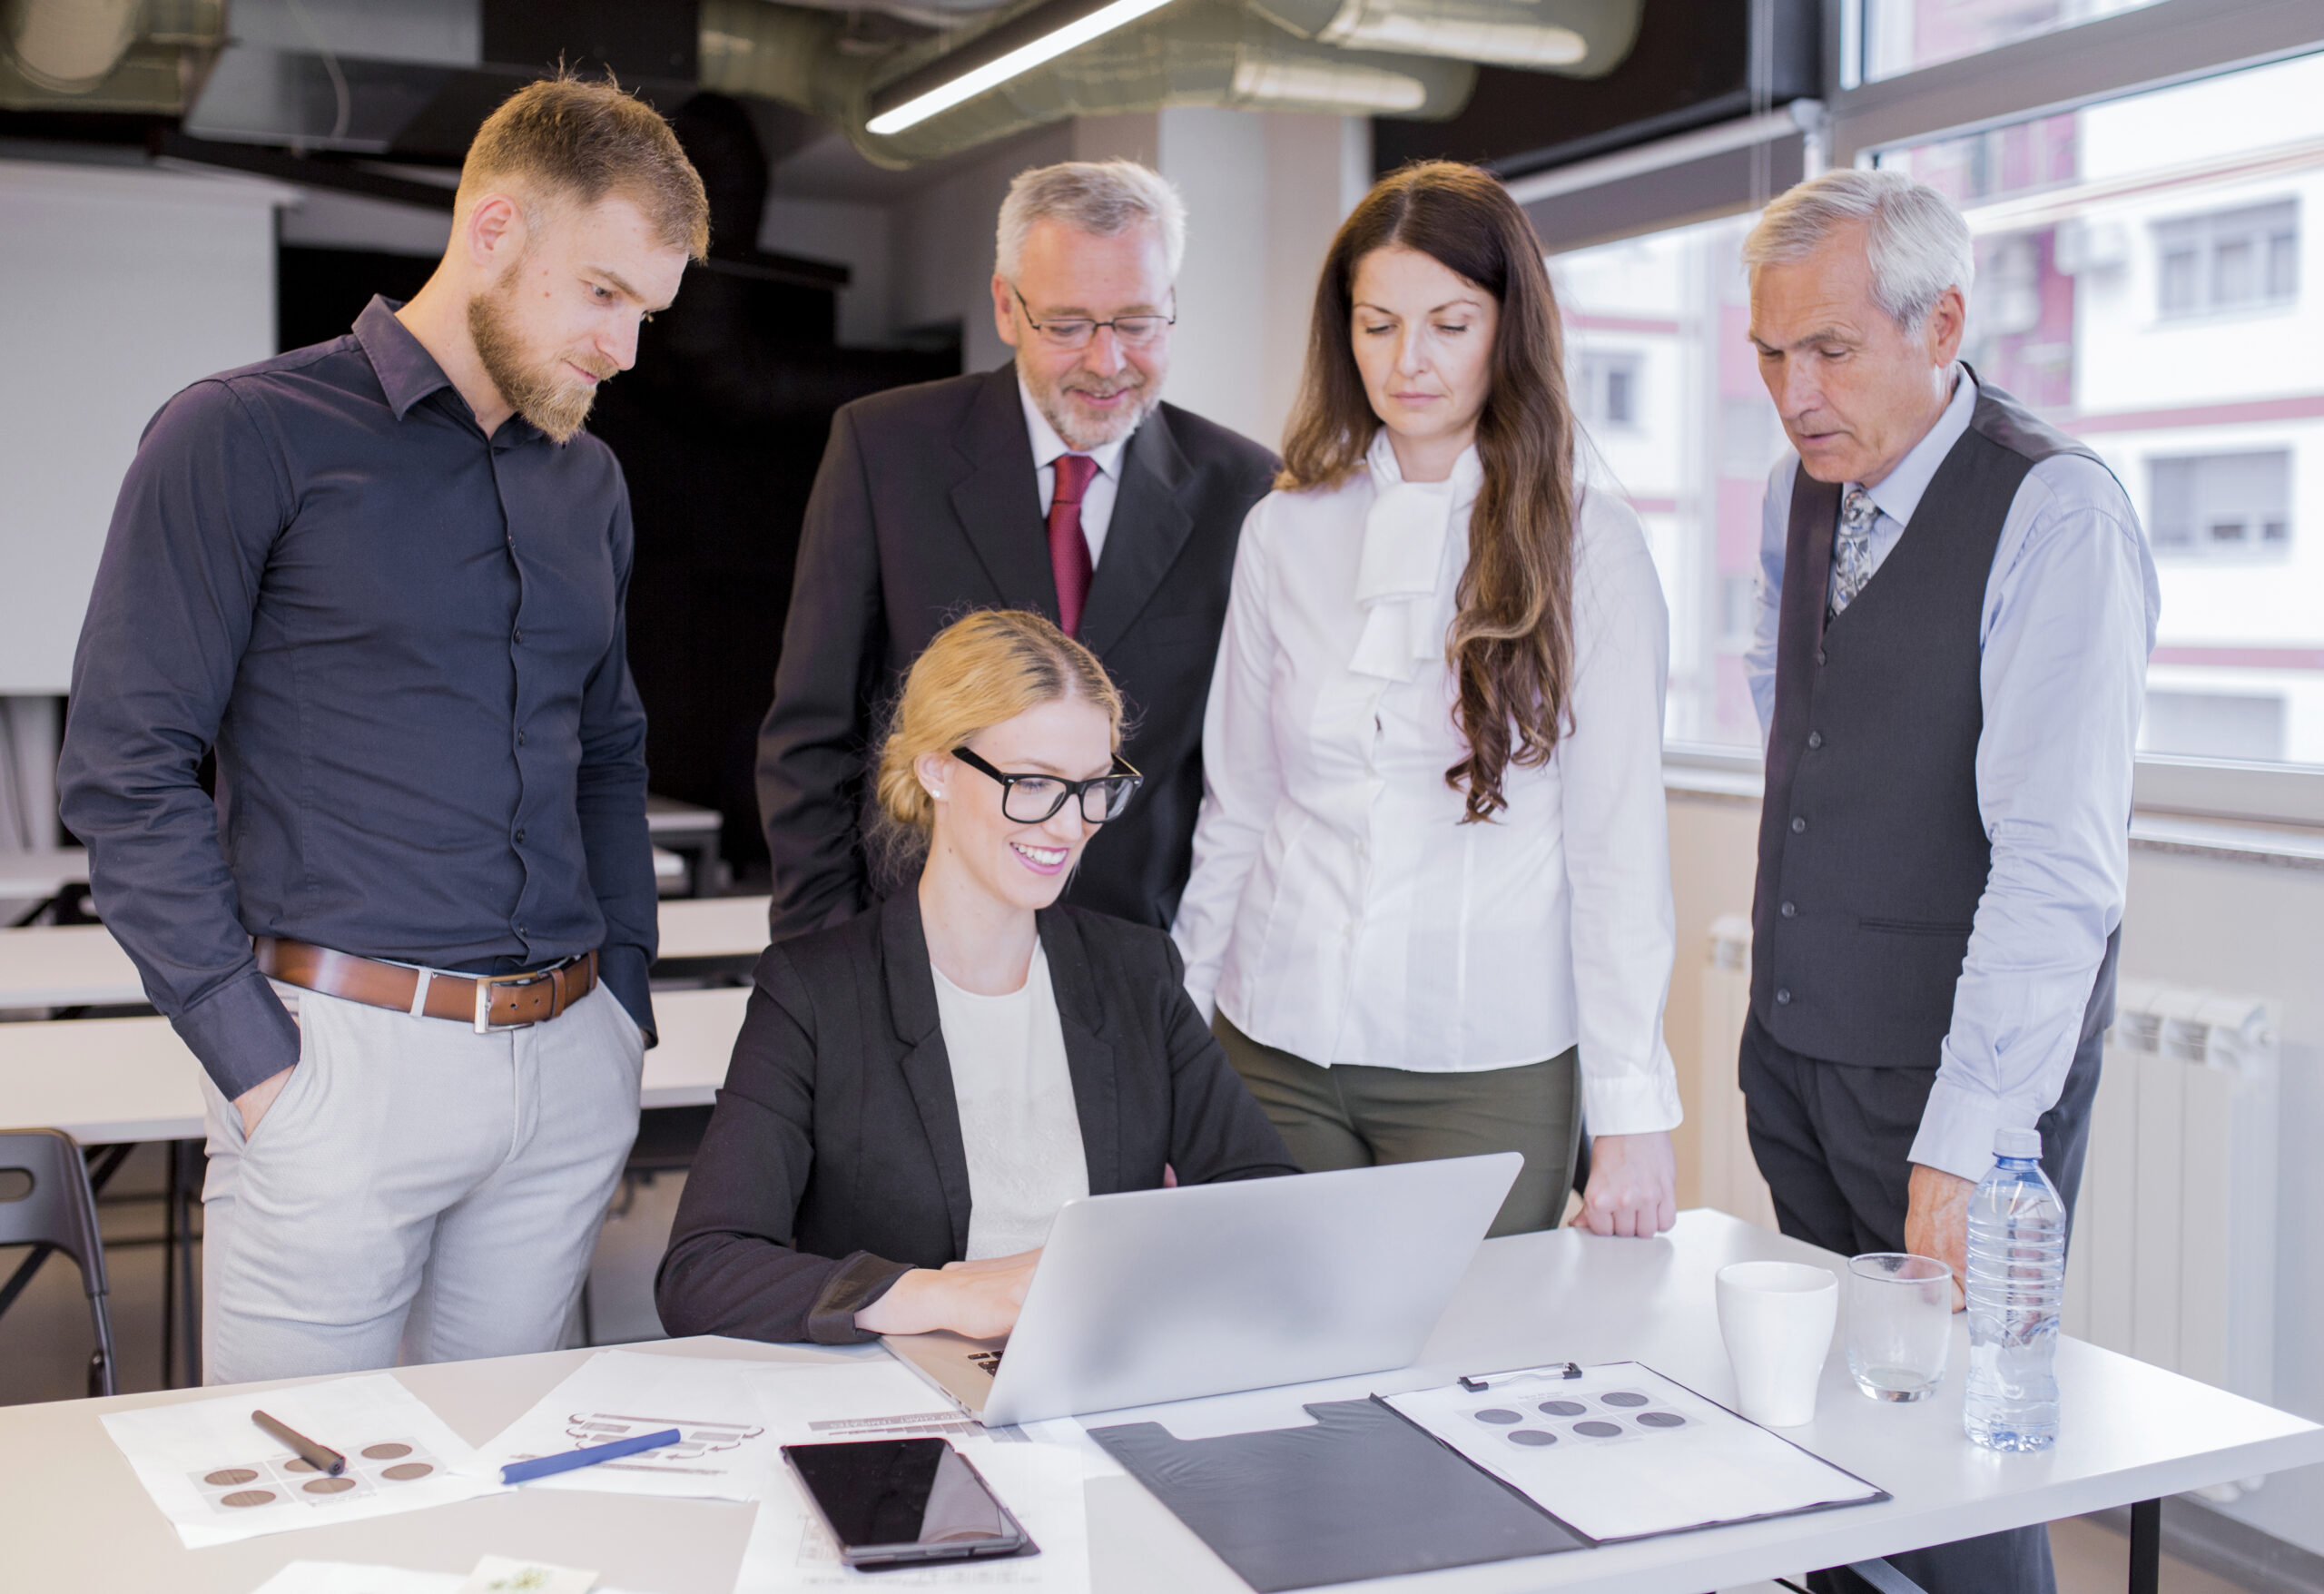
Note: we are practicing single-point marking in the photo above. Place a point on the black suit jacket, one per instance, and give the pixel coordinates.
(926, 507)
(833, 1162)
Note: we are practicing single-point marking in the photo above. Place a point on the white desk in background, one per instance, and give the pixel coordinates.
(31, 879)
(74, 1517)
(105, 1080)
(81, 965)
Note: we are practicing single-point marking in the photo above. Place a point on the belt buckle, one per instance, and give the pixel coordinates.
(485, 986)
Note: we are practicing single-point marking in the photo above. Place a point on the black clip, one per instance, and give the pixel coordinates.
(1473, 1385)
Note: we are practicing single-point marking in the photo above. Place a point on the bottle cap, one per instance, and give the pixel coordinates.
(2017, 1143)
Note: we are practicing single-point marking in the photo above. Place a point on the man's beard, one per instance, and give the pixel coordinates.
(1081, 431)
(558, 405)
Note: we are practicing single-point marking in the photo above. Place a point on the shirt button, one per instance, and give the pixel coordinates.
(1819, 658)
(1790, 910)
(1798, 825)
(1815, 740)
(519, 637)
(527, 930)
(1783, 997)
(520, 738)
(1787, 907)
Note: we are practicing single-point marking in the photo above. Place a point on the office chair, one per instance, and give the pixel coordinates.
(45, 1202)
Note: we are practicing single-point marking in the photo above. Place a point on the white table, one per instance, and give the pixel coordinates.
(73, 1517)
(81, 965)
(43, 873)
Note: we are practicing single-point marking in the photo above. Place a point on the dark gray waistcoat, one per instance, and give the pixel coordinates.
(1872, 852)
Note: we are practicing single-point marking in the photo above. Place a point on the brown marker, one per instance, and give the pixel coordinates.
(321, 1457)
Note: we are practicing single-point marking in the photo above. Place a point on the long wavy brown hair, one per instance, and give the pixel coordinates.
(1511, 646)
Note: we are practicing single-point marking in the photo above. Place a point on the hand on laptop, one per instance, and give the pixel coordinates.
(979, 1299)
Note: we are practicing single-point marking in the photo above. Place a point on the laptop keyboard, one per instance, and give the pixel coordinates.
(988, 1361)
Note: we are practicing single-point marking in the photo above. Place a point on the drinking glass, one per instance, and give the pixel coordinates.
(1900, 1324)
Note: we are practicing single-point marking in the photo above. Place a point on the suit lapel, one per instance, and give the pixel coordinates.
(1149, 525)
(927, 1066)
(998, 498)
(1088, 1049)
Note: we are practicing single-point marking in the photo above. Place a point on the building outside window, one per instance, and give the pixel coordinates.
(1605, 388)
(1904, 36)
(2212, 415)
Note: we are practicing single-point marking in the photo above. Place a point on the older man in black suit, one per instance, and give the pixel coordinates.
(1060, 483)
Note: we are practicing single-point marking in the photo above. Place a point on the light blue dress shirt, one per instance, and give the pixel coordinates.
(2069, 619)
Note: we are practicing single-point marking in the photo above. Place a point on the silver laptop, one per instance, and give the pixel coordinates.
(1154, 1295)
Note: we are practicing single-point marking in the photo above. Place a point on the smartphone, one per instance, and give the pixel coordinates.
(903, 1502)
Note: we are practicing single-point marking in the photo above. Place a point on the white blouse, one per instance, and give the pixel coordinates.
(1338, 910)
(1018, 1124)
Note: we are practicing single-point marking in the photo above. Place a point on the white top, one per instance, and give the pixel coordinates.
(1098, 497)
(1017, 1122)
(1338, 907)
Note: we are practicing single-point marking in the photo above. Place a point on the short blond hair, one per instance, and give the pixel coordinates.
(561, 138)
(991, 666)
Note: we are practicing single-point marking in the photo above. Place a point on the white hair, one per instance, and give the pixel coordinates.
(1916, 242)
(1101, 198)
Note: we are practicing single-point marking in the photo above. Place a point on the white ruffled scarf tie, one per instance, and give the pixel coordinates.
(1403, 566)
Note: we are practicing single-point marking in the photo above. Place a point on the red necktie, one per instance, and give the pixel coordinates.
(1069, 549)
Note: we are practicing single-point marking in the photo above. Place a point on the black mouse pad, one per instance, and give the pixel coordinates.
(1360, 1494)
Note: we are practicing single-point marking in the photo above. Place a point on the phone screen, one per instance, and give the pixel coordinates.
(903, 1499)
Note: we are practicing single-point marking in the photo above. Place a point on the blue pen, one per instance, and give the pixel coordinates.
(588, 1456)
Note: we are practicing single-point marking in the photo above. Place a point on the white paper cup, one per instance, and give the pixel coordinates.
(1777, 1318)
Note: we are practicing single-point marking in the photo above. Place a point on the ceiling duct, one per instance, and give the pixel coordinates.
(1193, 53)
(114, 55)
(1576, 38)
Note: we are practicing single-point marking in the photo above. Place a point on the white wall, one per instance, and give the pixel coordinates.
(122, 287)
(2194, 920)
(942, 245)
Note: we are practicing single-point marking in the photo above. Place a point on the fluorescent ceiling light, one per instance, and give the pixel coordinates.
(1023, 59)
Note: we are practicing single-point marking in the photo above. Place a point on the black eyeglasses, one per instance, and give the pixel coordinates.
(1032, 799)
(1075, 331)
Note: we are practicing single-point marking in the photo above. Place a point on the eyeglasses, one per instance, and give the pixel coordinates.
(1075, 331)
(1033, 799)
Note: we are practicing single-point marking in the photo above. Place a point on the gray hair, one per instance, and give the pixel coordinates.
(1101, 198)
(1917, 243)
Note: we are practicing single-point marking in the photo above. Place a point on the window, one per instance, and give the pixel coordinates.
(2124, 251)
(1904, 36)
(2214, 725)
(2235, 260)
(1606, 387)
(1694, 450)
(2220, 505)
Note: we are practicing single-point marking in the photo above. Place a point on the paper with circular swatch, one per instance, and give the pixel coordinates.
(219, 1477)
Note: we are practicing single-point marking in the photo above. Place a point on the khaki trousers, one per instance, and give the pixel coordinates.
(418, 1192)
(1354, 1116)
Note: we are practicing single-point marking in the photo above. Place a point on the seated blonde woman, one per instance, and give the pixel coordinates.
(916, 1092)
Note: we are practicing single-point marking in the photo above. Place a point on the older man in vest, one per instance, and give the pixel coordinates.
(1956, 604)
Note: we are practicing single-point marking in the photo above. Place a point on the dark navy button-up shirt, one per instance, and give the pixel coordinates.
(404, 641)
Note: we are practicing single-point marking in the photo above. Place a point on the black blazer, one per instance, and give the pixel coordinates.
(833, 1162)
(927, 506)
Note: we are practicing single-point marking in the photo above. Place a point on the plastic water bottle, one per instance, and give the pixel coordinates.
(2016, 1283)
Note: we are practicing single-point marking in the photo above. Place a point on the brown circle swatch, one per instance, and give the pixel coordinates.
(405, 1471)
(385, 1452)
(327, 1485)
(225, 1476)
(247, 1497)
(300, 1464)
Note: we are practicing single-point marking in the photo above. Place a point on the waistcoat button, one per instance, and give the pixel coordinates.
(1815, 740)
(1798, 825)
(1783, 997)
(1790, 909)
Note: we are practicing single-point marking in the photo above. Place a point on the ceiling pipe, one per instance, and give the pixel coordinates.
(1575, 38)
(69, 46)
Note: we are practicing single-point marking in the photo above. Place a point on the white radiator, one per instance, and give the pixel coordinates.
(2173, 1258)
(1729, 1178)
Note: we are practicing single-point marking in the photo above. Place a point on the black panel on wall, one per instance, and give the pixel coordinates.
(318, 293)
(1689, 68)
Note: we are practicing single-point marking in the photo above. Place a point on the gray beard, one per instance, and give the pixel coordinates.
(1051, 403)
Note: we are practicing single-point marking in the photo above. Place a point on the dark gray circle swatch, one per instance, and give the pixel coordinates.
(1660, 1420)
(1561, 1408)
(1533, 1436)
(1598, 1430)
(1625, 1398)
(1497, 1416)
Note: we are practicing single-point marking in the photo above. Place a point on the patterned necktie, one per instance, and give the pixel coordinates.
(1852, 555)
(1069, 548)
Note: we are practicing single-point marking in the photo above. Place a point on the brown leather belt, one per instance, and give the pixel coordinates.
(488, 1001)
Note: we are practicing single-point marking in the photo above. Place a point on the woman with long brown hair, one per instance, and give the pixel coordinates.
(1430, 901)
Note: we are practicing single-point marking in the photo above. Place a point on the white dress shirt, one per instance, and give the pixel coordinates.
(1018, 1124)
(1098, 497)
(2068, 622)
(1338, 908)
